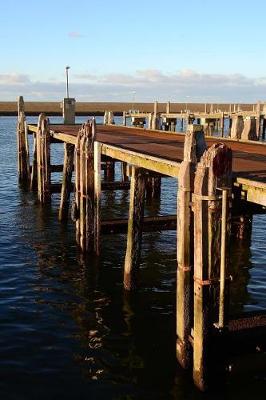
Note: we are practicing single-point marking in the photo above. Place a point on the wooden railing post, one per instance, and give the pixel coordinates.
(193, 149)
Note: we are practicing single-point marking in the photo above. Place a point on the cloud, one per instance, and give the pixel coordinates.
(75, 35)
(149, 85)
(13, 79)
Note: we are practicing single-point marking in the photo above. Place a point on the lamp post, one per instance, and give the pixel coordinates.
(67, 90)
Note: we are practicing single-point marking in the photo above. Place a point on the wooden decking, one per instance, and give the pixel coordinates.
(163, 152)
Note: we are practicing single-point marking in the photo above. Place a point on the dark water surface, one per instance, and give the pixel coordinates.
(69, 331)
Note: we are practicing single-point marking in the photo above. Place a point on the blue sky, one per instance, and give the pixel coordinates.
(198, 50)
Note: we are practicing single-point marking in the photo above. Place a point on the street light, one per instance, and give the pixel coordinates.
(67, 91)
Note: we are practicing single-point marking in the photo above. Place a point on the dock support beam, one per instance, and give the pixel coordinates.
(135, 223)
(66, 183)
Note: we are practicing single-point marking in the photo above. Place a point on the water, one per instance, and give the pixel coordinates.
(68, 329)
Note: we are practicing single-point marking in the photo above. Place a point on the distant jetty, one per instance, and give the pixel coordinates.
(9, 108)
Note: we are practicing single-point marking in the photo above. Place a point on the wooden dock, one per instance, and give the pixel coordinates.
(221, 183)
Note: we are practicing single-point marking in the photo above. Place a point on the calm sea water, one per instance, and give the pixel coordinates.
(69, 331)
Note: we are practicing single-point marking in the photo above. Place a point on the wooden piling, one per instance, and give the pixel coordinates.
(250, 129)
(237, 127)
(212, 173)
(43, 160)
(23, 149)
(22, 144)
(135, 222)
(193, 149)
(66, 181)
(97, 196)
(153, 187)
(109, 172)
(124, 171)
(155, 118)
(84, 187)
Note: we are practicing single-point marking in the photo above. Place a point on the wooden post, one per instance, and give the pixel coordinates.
(263, 128)
(155, 119)
(152, 187)
(66, 182)
(110, 119)
(149, 123)
(124, 118)
(97, 196)
(22, 144)
(105, 118)
(258, 121)
(84, 190)
(222, 124)
(212, 173)
(135, 222)
(194, 147)
(43, 159)
(124, 171)
(23, 149)
(250, 129)
(237, 127)
(110, 171)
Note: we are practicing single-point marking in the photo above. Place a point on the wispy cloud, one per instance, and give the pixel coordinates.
(14, 79)
(75, 35)
(148, 85)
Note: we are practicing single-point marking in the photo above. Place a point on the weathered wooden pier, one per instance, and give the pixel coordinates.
(221, 184)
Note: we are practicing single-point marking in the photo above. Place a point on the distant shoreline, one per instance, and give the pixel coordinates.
(9, 108)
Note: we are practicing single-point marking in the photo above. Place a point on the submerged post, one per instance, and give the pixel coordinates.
(135, 222)
(193, 149)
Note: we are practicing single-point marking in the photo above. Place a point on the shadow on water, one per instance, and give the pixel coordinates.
(68, 328)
